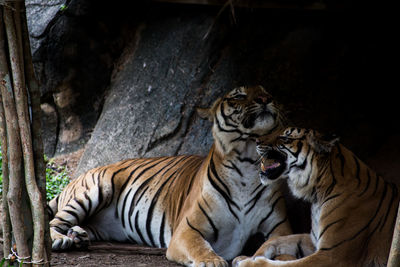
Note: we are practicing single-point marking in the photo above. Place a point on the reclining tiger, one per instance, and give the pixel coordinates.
(353, 209)
(203, 209)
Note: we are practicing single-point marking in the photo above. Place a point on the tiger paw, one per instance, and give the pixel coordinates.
(59, 241)
(214, 262)
(79, 237)
(243, 261)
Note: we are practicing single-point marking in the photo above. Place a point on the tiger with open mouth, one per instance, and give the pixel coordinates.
(353, 209)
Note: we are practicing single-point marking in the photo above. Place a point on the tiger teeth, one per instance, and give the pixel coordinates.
(270, 166)
(263, 167)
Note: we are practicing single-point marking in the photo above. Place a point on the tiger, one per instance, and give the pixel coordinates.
(192, 205)
(353, 209)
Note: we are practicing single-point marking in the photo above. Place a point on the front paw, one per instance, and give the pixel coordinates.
(243, 261)
(76, 237)
(79, 237)
(210, 262)
(236, 261)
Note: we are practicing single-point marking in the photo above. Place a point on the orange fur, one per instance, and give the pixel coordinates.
(353, 209)
(190, 204)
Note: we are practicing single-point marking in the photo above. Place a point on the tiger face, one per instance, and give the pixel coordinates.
(293, 155)
(242, 114)
(251, 109)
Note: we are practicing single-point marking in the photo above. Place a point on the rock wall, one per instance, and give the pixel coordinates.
(124, 82)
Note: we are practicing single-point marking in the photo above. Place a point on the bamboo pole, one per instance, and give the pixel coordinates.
(4, 147)
(6, 213)
(14, 194)
(14, 37)
(394, 256)
(40, 166)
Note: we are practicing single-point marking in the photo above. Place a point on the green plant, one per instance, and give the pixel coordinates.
(57, 177)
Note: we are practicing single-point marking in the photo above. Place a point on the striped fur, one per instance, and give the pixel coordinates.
(353, 209)
(202, 208)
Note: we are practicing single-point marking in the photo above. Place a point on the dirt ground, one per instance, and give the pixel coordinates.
(149, 257)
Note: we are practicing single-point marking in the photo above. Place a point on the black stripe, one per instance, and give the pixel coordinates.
(376, 184)
(123, 208)
(141, 195)
(100, 198)
(223, 194)
(226, 130)
(367, 185)
(64, 221)
(162, 231)
(72, 213)
(366, 226)
(254, 199)
(332, 185)
(392, 201)
(273, 228)
(240, 138)
(191, 226)
(152, 163)
(138, 229)
(214, 172)
(226, 118)
(157, 195)
(271, 211)
(113, 186)
(303, 165)
(341, 157)
(329, 198)
(233, 166)
(82, 207)
(357, 170)
(129, 177)
(93, 179)
(298, 150)
(60, 230)
(205, 201)
(313, 234)
(300, 252)
(255, 189)
(328, 226)
(215, 230)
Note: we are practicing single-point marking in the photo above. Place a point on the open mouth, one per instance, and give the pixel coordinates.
(272, 165)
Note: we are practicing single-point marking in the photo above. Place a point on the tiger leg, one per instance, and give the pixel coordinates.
(317, 259)
(75, 206)
(65, 233)
(189, 247)
(297, 246)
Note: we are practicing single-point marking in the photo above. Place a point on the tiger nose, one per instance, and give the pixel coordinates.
(263, 99)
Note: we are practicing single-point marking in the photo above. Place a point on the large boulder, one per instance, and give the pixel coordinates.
(123, 82)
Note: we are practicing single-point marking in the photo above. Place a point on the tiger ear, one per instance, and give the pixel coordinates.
(208, 113)
(322, 143)
(204, 113)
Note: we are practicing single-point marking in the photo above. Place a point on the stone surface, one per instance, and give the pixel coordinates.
(151, 67)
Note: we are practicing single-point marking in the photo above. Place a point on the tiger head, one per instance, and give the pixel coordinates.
(297, 155)
(242, 114)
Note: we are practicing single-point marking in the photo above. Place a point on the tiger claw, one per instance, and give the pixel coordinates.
(219, 262)
(79, 237)
(62, 243)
